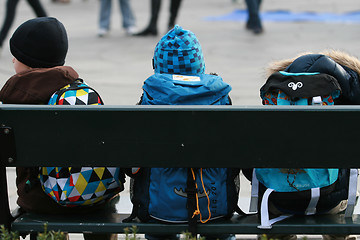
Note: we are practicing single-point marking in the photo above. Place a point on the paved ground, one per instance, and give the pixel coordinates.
(117, 65)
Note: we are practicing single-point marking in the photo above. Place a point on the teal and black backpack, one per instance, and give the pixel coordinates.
(301, 191)
(80, 186)
(181, 195)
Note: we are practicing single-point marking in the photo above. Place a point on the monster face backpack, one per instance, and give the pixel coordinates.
(79, 186)
(301, 191)
(180, 195)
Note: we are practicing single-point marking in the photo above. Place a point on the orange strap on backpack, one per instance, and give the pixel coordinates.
(197, 211)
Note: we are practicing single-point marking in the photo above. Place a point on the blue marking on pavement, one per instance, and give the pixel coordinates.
(287, 16)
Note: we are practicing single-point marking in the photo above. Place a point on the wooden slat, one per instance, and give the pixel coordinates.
(322, 224)
(204, 136)
(182, 136)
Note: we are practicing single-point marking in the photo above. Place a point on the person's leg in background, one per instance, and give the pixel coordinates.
(38, 8)
(10, 15)
(151, 29)
(254, 22)
(8, 20)
(174, 10)
(128, 18)
(104, 17)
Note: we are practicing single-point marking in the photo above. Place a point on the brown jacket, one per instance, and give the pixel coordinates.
(35, 87)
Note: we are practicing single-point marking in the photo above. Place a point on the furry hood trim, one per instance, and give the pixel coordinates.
(338, 56)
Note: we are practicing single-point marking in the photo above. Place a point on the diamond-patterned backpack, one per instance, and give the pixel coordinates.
(76, 93)
(79, 186)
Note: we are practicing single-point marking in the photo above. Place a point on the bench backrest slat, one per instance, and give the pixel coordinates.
(183, 136)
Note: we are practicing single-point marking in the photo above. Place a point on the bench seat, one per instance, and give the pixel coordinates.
(112, 222)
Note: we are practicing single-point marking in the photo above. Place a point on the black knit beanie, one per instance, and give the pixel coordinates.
(40, 43)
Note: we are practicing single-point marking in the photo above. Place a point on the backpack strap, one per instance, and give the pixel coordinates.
(353, 178)
(254, 193)
(266, 223)
(315, 196)
(191, 202)
(264, 210)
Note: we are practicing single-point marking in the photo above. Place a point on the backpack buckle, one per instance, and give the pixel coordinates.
(316, 100)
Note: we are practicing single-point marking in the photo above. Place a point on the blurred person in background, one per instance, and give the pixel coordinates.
(128, 19)
(254, 22)
(151, 29)
(11, 6)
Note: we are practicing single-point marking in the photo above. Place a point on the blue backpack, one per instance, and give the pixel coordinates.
(304, 190)
(163, 194)
(180, 195)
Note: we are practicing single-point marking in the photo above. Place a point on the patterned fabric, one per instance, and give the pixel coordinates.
(179, 52)
(75, 186)
(271, 99)
(77, 93)
(300, 86)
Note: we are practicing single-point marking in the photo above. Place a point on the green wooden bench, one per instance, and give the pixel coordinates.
(191, 136)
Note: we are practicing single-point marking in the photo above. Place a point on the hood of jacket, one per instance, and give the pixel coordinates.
(37, 85)
(340, 57)
(344, 67)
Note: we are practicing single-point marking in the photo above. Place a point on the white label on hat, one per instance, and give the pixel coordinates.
(186, 78)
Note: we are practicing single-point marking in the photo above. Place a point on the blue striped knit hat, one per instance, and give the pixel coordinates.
(179, 52)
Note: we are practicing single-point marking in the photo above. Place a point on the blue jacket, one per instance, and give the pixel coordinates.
(172, 89)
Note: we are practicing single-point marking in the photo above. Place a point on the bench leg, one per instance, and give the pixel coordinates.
(5, 216)
(33, 236)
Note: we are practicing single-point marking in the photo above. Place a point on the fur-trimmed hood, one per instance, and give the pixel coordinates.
(344, 67)
(340, 57)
